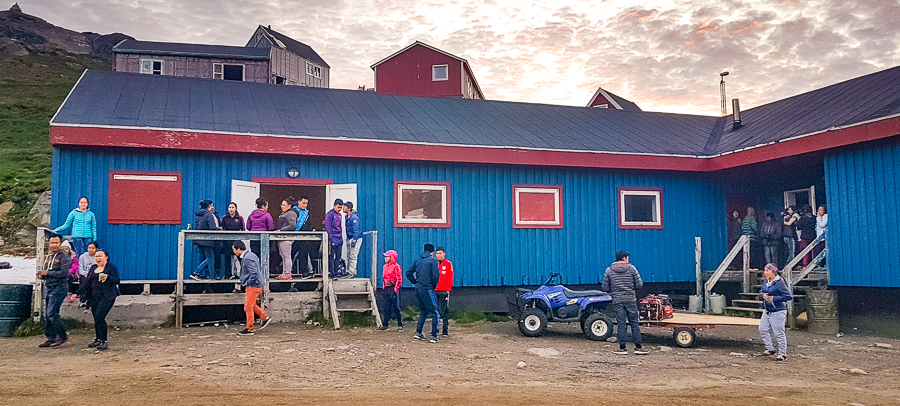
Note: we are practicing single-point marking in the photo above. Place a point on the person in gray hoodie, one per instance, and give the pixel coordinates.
(621, 280)
(253, 283)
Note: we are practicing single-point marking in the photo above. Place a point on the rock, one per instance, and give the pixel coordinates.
(833, 342)
(521, 364)
(344, 347)
(544, 352)
(883, 345)
(5, 207)
(857, 404)
(288, 351)
(738, 354)
(663, 348)
(857, 371)
(27, 235)
(39, 216)
(474, 356)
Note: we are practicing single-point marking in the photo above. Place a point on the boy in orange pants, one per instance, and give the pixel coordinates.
(252, 280)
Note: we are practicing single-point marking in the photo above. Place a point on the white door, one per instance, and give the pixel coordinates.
(345, 192)
(244, 194)
(800, 197)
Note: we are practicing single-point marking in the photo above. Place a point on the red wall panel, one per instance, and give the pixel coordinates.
(409, 74)
(144, 198)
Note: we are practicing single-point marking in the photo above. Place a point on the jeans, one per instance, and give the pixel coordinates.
(352, 255)
(627, 314)
(251, 309)
(207, 262)
(79, 245)
(772, 254)
(427, 307)
(771, 327)
(443, 301)
(53, 327)
(100, 308)
(791, 245)
(335, 263)
(391, 306)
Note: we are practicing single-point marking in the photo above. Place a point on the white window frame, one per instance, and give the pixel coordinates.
(219, 70)
(444, 221)
(657, 224)
(434, 77)
(162, 66)
(557, 200)
(314, 70)
(602, 106)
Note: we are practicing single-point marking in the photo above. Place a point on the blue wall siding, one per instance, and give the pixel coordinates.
(481, 242)
(863, 220)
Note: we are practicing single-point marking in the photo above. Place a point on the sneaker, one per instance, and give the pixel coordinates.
(46, 344)
(400, 329)
(621, 351)
(196, 277)
(103, 346)
(768, 353)
(57, 343)
(382, 328)
(94, 344)
(245, 332)
(445, 334)
(308, 276)
(433, 340)
(284, 277)
(641, 351)
(419, 336)
(264, 323)
(780, 358)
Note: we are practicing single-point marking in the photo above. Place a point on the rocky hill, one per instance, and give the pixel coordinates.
(39, 64)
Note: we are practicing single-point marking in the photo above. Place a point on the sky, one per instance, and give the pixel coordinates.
(665, 56)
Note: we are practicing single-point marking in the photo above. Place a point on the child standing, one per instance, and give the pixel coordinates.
(393, 279)
(445, 284)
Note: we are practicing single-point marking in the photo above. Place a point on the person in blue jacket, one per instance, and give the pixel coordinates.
(774, 294)
(204, 219)
(424, 274)
(354, 238)
(84, 226)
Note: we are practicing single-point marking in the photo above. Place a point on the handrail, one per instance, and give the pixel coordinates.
(743, 243)
(793, 262)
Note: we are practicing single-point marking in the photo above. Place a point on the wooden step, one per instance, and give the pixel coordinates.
(351, 293)
(744, 309)
(749, 294)
(745, 301)
(355, 310)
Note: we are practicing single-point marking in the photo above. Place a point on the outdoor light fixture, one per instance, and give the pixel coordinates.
(293, 172)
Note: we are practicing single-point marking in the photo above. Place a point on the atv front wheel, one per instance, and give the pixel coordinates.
(597, 327)
(533, 323)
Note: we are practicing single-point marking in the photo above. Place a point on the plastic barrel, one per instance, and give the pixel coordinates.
(695, 303)
(822, 314)
(716, 303)
(15, 307)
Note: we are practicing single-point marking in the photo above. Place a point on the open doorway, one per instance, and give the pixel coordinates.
(274, 194)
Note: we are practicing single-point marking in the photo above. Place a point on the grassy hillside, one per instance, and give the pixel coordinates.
(32, 87)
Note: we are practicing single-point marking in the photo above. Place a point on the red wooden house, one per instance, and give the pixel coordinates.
(425, 71)
(605, 99)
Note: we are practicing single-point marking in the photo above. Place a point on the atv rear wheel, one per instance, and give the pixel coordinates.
(597, 327)
(533, 323)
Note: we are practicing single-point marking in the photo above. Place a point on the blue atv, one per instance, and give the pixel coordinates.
(551, 302)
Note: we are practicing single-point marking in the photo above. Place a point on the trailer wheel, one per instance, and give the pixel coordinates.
(597, 327)
(533, 323)
(684, 337)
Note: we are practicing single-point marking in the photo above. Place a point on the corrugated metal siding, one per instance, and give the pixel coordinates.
(481, 242)
(863, 220)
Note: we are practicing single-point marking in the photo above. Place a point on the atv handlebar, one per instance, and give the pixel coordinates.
(549, 281)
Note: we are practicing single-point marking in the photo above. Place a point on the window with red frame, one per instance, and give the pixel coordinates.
(144, 198)
(640, 208)
(422, 204)
(537, 206)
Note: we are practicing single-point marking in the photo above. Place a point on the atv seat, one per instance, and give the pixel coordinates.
(583, 293)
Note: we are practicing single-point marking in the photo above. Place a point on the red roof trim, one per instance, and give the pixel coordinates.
(202, 141)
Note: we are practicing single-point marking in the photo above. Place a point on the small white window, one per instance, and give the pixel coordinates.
(439, 73)
(537, 206)
(228, 71)
(640, 208)
(602, 106)
(153, 66)
(313, 70)
(422, 204)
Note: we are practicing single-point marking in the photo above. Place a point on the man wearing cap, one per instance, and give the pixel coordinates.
(334, 227)
(445, 283)
(424, 274)
(354, 237)
(621, 280)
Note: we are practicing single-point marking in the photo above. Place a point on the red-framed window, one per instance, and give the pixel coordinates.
(144, 198)
(640, 208)
(421, 204)
(537, 206)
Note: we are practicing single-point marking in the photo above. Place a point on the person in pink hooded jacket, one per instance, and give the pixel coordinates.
(390, 293)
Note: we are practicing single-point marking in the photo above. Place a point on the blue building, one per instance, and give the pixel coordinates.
(513, 190)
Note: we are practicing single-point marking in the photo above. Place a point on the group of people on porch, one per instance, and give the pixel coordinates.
(776, 238)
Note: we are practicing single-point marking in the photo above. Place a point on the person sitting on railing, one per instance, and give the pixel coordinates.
(774, 293)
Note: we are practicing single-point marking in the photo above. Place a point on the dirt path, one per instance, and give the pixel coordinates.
(298, 364)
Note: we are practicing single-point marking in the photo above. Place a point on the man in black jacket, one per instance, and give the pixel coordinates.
(424, 274)
(621, 280)
(55, 273)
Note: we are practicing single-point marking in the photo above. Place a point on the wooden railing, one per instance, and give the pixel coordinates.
(743, 244)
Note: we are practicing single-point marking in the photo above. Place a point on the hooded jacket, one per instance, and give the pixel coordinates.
(424, 272)
(84, 224)
(621, 280)
(204, 220)
(287, 221)
(393, 273)
(250, 270)
(260, 220)
(232, 223)
(780, 292)
(333, 226)
(57, 265)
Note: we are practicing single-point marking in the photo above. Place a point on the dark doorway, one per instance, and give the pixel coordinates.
(233, 72)
(274, 194)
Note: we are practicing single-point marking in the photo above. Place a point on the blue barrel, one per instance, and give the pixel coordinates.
(15, 307)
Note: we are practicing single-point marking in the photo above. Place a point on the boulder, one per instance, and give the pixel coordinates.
(5, 207)
(39, 216)
(27, 235)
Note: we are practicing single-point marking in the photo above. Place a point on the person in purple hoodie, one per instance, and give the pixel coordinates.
(260, 220)
(333, 226)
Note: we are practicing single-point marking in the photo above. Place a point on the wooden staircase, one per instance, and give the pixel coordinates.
(351, 295)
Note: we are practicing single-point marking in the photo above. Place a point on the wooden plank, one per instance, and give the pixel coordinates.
(213, 299)
(698, 271)
(744, 309)
(375, 306)
(37, 292)
(179, 283)
(691, 318)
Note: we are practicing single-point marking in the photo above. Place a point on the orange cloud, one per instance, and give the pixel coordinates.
(642, 15)
(707, 27)
(747, 27)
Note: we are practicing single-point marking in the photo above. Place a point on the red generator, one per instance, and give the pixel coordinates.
(656, 308)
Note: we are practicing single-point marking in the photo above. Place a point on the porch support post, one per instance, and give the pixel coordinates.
(698, 271)
(746, 284)
(179, 283)
(264, 264)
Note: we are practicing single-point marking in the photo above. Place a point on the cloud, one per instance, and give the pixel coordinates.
(663, 55)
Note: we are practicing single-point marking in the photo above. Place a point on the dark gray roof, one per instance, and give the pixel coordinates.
(297, 47)
(626, 104)
(131, 46)
(141, 100)
(852, 101)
